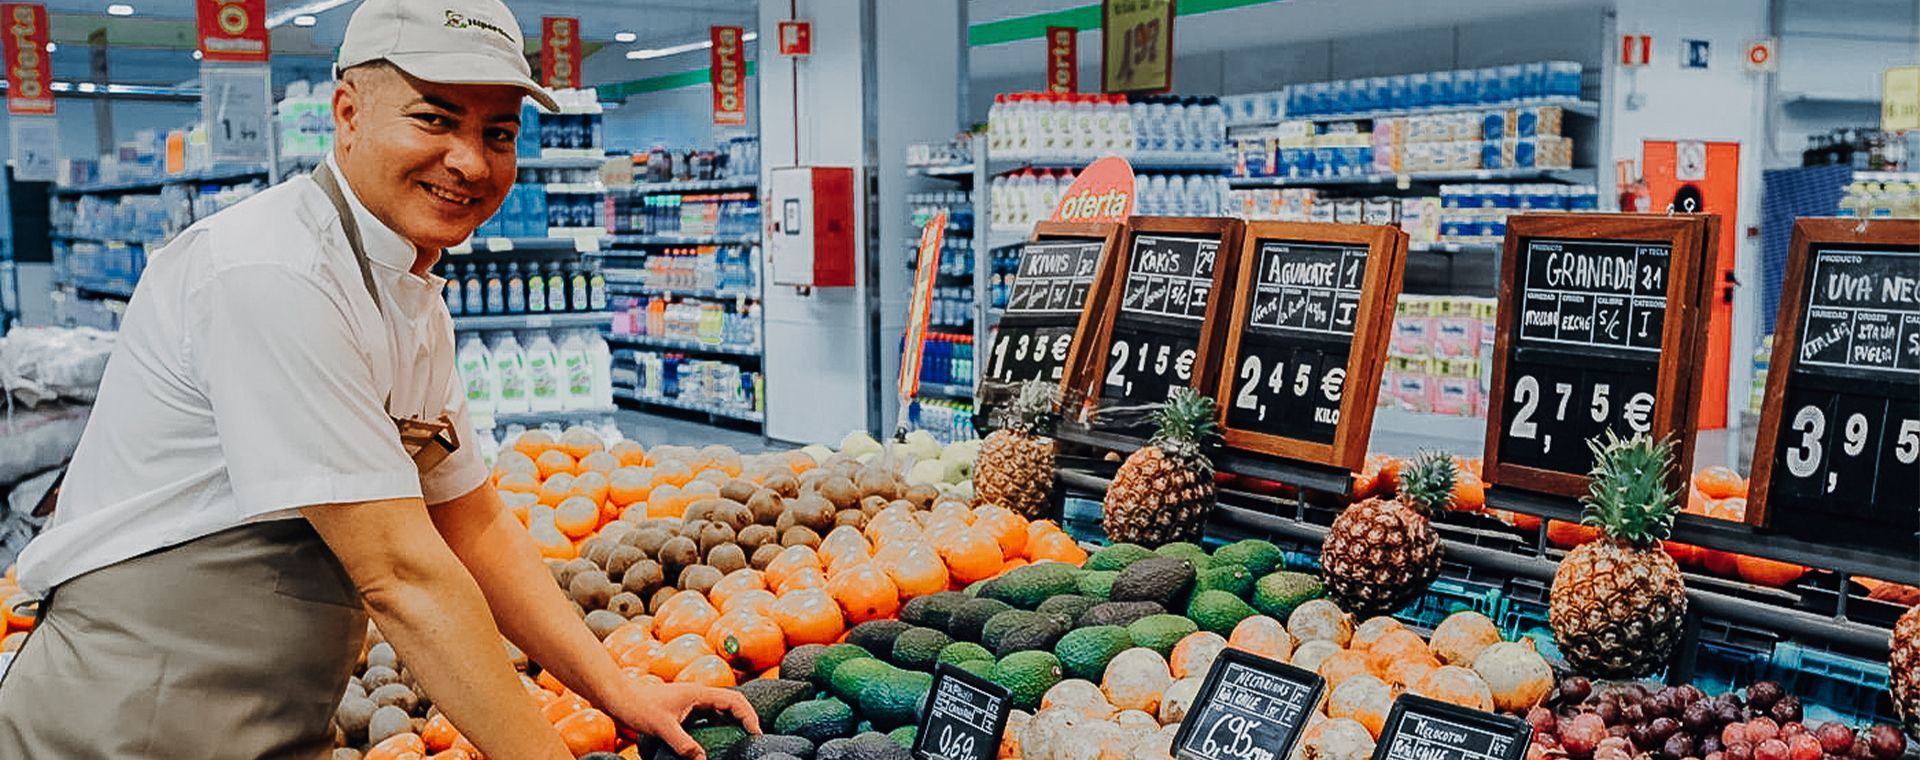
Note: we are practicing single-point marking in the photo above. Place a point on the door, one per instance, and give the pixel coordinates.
(1704, 177)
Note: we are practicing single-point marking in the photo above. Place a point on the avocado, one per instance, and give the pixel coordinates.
(1257, 556)
(826, 662)
(1167, 580)
(1184, 550)
(904, 736)
(772, 696)
(1097, 584)
(1277, 594)
(1160, 632)
(963, 651)
(932, 610)
(868, 745)
(816, 720)
(1004, 623)
(1028, 676)
(1232, 579)
(895, 699)
(973, 589)
(919, 648)
(1117, 557)
(1119, 613)
(759, 747)
(968, 621)
(799, 662)
(1066, 607)
(1218, 611)
(876, 635)
(854, 675)
(718, 741)
(1085, 652)
(981, 668)
(1027, 586)
(1040, 635)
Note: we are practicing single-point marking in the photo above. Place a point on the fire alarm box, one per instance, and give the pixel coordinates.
(810, 232)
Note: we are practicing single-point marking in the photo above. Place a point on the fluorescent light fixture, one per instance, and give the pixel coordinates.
(306, 19)
(52, 46)
(625, 37)
(62, 86)
(119, 9)
(651, 53)
(85, 87)
(311, 8)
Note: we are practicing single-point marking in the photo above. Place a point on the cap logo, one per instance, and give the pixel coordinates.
(457, 21)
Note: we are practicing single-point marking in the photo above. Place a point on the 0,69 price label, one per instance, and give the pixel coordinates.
(1551, 411)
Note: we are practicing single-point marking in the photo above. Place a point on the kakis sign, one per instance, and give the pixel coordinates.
(29, 68)
(233, 31)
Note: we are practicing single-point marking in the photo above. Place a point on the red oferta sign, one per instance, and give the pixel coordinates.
(29, 69)
(1102, 193)
(729, 74)
(233, 31)
(560, 52)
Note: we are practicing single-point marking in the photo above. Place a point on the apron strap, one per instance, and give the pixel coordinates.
(323, 176)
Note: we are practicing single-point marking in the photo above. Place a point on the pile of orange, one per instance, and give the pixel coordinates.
(16, 612)
(1380, 477)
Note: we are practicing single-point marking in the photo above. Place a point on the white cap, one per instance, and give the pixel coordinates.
(443, 41)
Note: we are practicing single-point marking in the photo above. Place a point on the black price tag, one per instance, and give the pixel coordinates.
(1249, 708)
(1424, 729)
(1054, 277)
(1169, 278)
(1156, 335)
(965, 717)
(1029, 352)
(1034, 340)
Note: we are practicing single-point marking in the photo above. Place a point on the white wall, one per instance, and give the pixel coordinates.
(1831, 55)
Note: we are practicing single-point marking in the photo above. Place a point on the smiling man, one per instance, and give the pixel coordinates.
(274, 456)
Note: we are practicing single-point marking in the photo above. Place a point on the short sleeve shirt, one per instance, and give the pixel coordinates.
(254, 376)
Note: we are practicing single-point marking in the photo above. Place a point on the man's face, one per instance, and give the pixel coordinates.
(432, 161)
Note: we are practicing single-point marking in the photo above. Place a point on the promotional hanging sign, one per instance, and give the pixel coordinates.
(796, 38)
(1063, 59)
(1900, 98)
(233, 31)
(29, 67)
(1136, 45)
(560, 52)
(729, 74)
(931, 237)
(1103, 192)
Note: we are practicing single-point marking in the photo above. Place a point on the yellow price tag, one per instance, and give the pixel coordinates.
(1136, 45)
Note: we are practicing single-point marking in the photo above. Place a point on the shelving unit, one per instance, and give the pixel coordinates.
(1565, 176)
(688, 346)
(530, 321)
(720, 412)
(576, 243)
(1569, 105)
(214, 174)
(536, 419)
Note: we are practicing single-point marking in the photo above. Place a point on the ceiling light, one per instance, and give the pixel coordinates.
(650, 53)
(313, 7)
(625, 37)
(119, 9)
(305, 19)
(52, 47)
(197, 55)
(86, 87)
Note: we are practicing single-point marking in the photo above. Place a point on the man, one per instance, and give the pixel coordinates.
(242, 492)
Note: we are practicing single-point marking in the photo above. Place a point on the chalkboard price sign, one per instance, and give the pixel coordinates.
(964, 717)
(1152, 336)
(1837, 458)
(1426, 729)
(1057, 274)
(1307, 336)
(1601, 319)
(1248, 708)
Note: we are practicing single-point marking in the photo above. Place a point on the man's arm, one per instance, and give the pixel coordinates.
(537, 617)
(432, 612)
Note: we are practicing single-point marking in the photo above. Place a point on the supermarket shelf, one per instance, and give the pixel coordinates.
(563, 162)
(630, 288)
(749, 182)
(110, 241)
(677, 344)
(114, 289)
(577, 243)
(673, 239)
(1568, 176)
(1002, 236)
(955, 171)
(531, 321)
(573, 154)
(717, 411)
(1580, 107)
(574, 188)
(946, 390)
(532, 419)
(155, 183)
(1170, 163)
(1906, 177)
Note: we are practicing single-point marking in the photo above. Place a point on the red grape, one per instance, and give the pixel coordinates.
(1733, 733)
(1582, 734)
(1678, 746)
(1787, 710)
(1771, 749)
(1886, 742)
(1541, 719)
(1835, 737)
(1763, 694)
(1739, 751)
(1759, 730)
(1790, 730)
(1804, 747)
(1615, 742)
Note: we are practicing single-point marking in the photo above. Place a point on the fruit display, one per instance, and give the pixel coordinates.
(1164, 491)
(1383, 553)
(1905, 667)
(1015, 469)
(16, 617)
(1623, 721)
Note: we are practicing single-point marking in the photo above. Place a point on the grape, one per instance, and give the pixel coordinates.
(1709, 745)
(1615, 742)
(1803, 747)
(1861, 747)
(1643, 735)
(1541, 719)
(1763, 694)
(1609, 712)
(1635, 693)
(1582, 734)
(1677, 746)
(1574, 690)
(1698, 718)
(1622, 731)
(1885, 742)
(1725, 713)
(1663, 728)
(1733, 733)
(1835, 738)
(1787, 710)
(1739, 751)
(1791, 729)
(1759, 730)
(1633, 713)
(1662, 704)
(1771, 749)
(1692, 693)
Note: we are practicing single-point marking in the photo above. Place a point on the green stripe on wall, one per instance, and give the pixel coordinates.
(676, 81)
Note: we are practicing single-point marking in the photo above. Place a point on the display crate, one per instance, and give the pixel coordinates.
(1081, 519)
(1447, 596)
(1833, 686)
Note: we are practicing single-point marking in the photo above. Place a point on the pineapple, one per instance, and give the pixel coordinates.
(1906, 669)
(1618, 604)
(1163, 492)
(1381, 554)
(1015, 468)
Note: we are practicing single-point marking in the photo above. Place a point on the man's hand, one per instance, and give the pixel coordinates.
(658, 710)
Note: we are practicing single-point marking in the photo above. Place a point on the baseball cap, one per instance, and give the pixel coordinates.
(444, 41)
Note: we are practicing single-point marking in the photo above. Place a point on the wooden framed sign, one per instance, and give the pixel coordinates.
(1310, 320)
(1602, 320)
(1248, 708)
(1058, 271)
(1419, 728)
(1837, 458)
(1169, 277)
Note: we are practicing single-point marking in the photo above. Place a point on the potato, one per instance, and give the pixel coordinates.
(728, 557)
(700, 578)
(387, 722)
(738, 490)
(602, 622)
(714, 534)
(626, 604)
(764, 555)
(397, 695)
(642, 578)
(623, 557)
(679, 552)
(800, 536)
(765, 506)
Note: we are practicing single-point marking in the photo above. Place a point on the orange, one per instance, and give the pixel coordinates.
(592, 485)
(685, 613)
(519, 482)
(565, 705)
(1263, 636)
(630, 632)
(665, 501)
(1406, 674)
(843, 546)
(788, 561)
(747, 640)
(1469, 494)
(17, 612)
(951, 509)
(514, 461)
(599, 461)
(398, 746)
(744, 579)
(439, 732)
(588, 731)
(552, 543)
(639, 656)
(806, 577)
(675, 473)
(709, 670)
(1185, 654)
(1720, 482)
(453, 753)
(972, 555)
(628, 485)
(533, 443)
(1687, 555)
(554, 461)
(678, 654)
(556, 489)
(1732, 508)
(1037, 527)
(576, 517)
(809, 616)
(1567, 535)
(865, 592)
(725, 459)
(1007, 528)
(758, 600)
(918, 571)
(1056, 546)
(630, 454)
(1767, 572)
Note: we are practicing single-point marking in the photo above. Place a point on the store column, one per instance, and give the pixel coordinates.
(878, 76)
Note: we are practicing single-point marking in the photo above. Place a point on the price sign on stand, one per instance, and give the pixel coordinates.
(964, 718)
(1427, 729)
(1308, 330)
(1602, 320)
(1046, 306)
(1248, 708)
(1837, 458)
(238, 106)
(1169, 278)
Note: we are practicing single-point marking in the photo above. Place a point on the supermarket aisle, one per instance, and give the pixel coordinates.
(653, 430)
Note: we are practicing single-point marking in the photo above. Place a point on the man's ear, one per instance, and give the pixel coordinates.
(347, 97)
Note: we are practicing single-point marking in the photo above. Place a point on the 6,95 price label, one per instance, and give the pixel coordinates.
(1249, 708)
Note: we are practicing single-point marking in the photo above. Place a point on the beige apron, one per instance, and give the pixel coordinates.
(235, 645)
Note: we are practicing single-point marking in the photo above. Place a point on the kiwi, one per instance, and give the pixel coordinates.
(386, 722)
(614, 530)
(596, 550)
(700, 578)
(354, 714)
(921, 496)
(786, 519)
(733, 514)
(602, 622)
(354, 690)
(765, 506)
(623, 557)
(764, 555)
(800, 536)
(554, 566)
(679, 552)
(701, 510)
(784, 484)
(728, 557)
(378, 676)
(572, 569)
(660, 597)
(382, 654)
(647, 540)
(877, 481)
(669, 524)
(872, 504)
(691, 528)
(755, 536)
(840, 491)
(853, 517)
(397, 695)
(815, 512)
(813, 478)
(738, 490)
(714, 534)
(626, 604)
(643, 577)
(592, 589)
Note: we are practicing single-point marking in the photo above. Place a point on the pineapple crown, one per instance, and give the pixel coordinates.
(1426, 483)
(1627, 494)
(1030, 410)
(1185, 423)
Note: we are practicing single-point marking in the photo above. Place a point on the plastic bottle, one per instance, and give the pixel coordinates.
(477, 374)
(496, 295)
(545, 383)
(453, 291)
(475, 290)
(576, 369)
(510, 371)
(596, 289)
(1088, 132)
(602, 360)
(536, 289)
(577, 291)
(516, 289)
(997, 125)
(556, 288)
(1213, 127)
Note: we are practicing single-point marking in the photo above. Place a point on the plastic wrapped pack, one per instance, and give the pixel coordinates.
(39, 364)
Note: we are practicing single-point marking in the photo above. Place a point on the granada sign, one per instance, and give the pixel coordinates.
(560, 52)
(29, 69)
(729, 75)
(1102, 193)
(233, 31)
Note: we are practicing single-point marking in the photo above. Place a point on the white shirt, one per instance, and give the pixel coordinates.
(248, 382)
